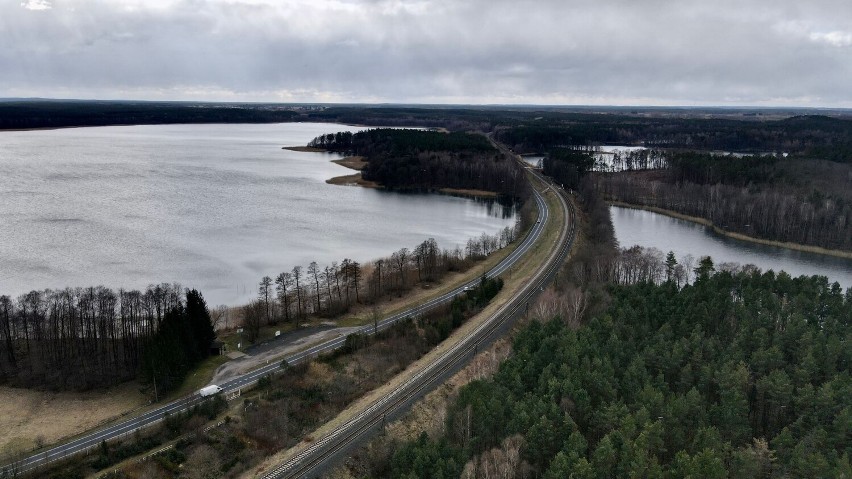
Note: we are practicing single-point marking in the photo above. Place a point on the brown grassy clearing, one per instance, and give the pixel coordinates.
(29, 417)
(352, 162)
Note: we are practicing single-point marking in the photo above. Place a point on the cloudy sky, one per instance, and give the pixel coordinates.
(592, 52)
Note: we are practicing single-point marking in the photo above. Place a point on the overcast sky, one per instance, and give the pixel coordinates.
(591, 52)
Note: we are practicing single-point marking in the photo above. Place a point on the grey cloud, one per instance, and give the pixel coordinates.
(477, 51)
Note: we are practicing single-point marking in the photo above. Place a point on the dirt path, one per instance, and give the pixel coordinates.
(272, 351)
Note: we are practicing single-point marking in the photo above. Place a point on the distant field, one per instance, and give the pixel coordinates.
(27, 417)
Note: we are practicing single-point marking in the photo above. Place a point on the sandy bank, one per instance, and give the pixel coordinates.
(352, 180)
(352, 162)
(304, 149)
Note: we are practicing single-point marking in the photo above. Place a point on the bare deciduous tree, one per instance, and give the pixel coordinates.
(265, 294)
(253, 319)
(283, 283)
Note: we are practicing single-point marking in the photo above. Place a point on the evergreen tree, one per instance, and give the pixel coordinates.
(705, 268)
(671, 263)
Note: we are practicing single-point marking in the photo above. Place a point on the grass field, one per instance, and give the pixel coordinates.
(28, 417)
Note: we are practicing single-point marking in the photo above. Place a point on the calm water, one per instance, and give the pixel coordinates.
(214, 207)
(684, 237)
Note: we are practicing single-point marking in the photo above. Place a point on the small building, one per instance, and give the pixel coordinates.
(218, 348)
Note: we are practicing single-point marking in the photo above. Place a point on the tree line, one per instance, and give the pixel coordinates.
(773, 213)
(400, 142)
(69, 113)
(524, 130)
(567, 166)
(807, 136)
(428, 160)
(794, 199)
(81, 338)
(709, 169)
(631, 160)
(331, 290)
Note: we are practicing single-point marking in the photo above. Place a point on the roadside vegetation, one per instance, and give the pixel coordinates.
(220, 439)
(332, 291)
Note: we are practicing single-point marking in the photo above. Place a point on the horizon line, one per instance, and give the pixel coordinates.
(436, 105)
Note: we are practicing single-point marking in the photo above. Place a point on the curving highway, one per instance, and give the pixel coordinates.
(311, 461)
(93, 439)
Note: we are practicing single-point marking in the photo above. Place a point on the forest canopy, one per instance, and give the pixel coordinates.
(810, 136)
(742, 375)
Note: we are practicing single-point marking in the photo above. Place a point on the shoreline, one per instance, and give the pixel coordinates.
(353, 180)
(65, 127)
(357, 163)
(468, 193)
(304, 149)
(738, 236)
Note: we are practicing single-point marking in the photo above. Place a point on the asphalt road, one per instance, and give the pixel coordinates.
(93, 439)
(312, 461)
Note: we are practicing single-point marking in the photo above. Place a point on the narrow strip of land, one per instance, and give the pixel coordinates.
(365, 417)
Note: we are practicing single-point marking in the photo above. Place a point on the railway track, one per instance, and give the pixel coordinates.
(310, 461)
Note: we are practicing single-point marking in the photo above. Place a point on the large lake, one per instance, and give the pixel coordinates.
(213, 207)
(665, 233)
